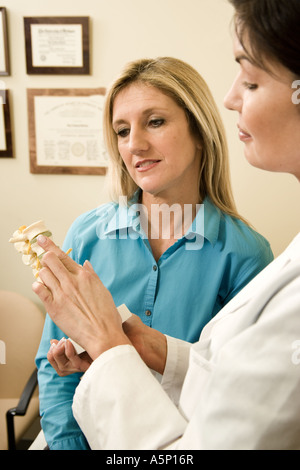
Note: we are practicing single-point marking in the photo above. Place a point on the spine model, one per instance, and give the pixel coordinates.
(25, 242)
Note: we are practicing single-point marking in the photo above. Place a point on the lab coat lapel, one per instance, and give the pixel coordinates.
(246, 306)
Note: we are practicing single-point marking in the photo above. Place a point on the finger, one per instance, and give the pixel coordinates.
(73, 356)
(59, 355)
(55, 274)
(49, 245)
(51, 283)
(50, 356)
(88, 266)
(66, 361)
(61, 281)
(53, 342)
(61, 373)
(62, 370)
(79, 363)
(54, 264)
(53, 363)
(42, 292)
(70, 350)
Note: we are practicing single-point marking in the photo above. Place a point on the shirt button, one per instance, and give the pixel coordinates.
(154, 267)
(148, 313)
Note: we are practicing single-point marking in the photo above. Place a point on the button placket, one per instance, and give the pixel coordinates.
(150, 295)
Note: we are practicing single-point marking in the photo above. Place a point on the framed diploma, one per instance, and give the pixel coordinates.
(57, 45)
(5, 126)
(65, 131)
(4, 57)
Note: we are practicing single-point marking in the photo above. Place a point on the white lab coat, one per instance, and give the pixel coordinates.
(239, 386)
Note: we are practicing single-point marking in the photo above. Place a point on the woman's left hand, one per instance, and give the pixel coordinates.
(64, 359)
(78, 302)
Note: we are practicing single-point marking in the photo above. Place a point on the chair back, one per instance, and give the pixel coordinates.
(21, 325)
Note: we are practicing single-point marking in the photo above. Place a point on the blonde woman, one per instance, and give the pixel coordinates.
(182, 83)
(171, 245)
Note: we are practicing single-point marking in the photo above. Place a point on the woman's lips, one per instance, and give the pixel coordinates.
(145, 165)
(243, 135)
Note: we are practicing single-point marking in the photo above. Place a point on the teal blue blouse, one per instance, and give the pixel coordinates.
(177, 295)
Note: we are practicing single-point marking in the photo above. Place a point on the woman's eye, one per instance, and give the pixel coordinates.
(156, 122)
(122, 132)
(250, 86)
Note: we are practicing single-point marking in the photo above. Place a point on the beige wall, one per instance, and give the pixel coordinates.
(197, 31)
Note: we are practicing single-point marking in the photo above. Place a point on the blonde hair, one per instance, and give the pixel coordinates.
(185, 85)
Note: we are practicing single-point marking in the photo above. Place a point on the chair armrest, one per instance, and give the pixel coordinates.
(27, 394)
(20, 409)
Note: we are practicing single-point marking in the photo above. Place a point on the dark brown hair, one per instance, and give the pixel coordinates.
(272, 28)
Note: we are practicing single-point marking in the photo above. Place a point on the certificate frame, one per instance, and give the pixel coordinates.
(4, 53)
(34, 117)
(57, 45)
(6, 147)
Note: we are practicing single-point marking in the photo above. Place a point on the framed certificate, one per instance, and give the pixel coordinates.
(65, 131)
(57, 45)
(6, 149)
(4, 57)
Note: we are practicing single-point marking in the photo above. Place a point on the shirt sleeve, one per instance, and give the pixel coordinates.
(56, 396)
(118, 409)
(56, 393)
(245, 269)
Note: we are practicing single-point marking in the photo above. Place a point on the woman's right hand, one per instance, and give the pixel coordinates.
(64, 359)
(149, 343)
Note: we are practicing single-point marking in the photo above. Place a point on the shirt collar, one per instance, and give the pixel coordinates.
(126, 216)
(207, 222)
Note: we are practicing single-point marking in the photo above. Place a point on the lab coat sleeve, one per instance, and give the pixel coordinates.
(176, 367)
(246, 396)
(250, 396)
(119, 404)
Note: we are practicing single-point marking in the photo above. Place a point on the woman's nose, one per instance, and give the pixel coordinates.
(138, 141)
(233, 99)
